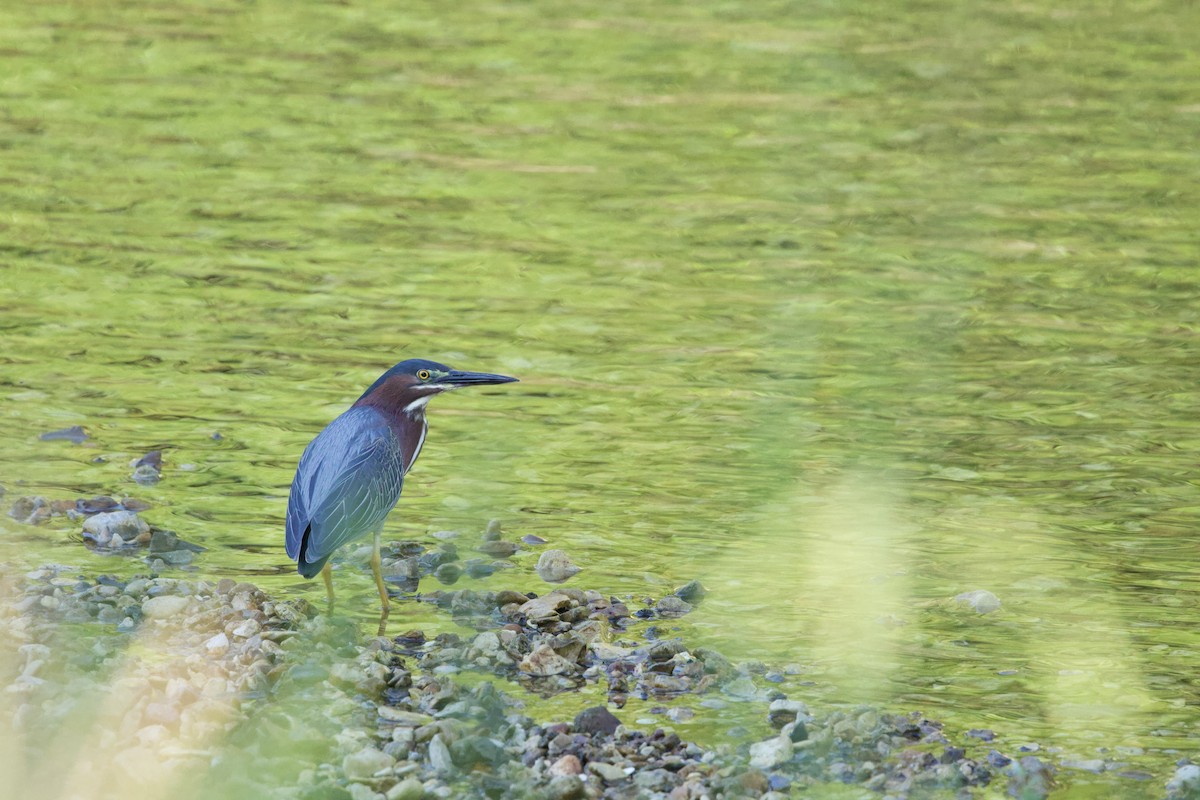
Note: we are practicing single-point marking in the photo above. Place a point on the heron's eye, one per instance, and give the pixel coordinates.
(423, 374)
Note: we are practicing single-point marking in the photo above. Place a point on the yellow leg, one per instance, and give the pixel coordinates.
(377, 568)
(327, 574)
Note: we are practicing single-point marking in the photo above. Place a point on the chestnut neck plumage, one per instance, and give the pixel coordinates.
(402, 404)
(399, 397)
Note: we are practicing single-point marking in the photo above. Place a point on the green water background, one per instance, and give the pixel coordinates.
(842, 309)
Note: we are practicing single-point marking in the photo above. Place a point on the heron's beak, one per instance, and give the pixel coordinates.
(456, 378)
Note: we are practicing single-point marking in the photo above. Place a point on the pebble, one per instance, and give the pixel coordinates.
(164, 606)
(609, 773)
(771, 753)
(567, 765)
(980, 600)
(366, 763)
(439, 755)
(102, 528)
(554, 566)
(407, 789)
(596, 720)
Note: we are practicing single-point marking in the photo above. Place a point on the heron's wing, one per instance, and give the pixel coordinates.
(348, 479)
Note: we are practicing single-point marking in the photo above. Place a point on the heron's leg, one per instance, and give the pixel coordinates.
(377, 568)
(327, 574)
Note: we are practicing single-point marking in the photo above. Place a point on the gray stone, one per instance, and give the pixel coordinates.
(101, 528)
(597, 719)
(672, 606)
(554, 566)
(980, 600)
(439, 755)
(565, 787)
(609, 773)
(167, 605)
(364, 764)
(545, 607)
(771, 753)
(407, 789)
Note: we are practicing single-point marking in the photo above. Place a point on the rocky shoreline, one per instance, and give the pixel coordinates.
(212, 674)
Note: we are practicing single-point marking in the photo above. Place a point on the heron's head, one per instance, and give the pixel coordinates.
(408, 386)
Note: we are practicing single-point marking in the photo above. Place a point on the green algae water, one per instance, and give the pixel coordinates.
(842, 310)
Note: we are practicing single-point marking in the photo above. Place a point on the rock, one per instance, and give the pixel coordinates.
(781, 712)
(101, 528)
(163, 606)
(609, 773)
(547, 606)
(402, 718)
(1095, 765)
(145, 475)
(1184, 784)
(472, 750)
(691, 592)
(567, 765)
(672, 606)
(532, 539)
(448, 573)
(980, 600)
(565, 787)
(555, 567)
(407, 789)
(74, 434)
(492, 533)
(506, 596)
(439, 755)
(597, 719)
(1032, 779)
(364, 764)
(498, 549)
(217, 645)
(247, 628)
(360, 791)
(169, 541)
(543, 661)
(30, 510)
(772, 753)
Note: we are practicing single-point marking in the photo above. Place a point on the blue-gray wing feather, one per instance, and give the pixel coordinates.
(348, 480)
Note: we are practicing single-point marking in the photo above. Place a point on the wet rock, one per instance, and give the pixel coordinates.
(1094, 765)
(596, 720)
(691, 592)
(771, 753)
(31, 510)
(493, 531)
(567, 765)
(554, 566)
(103, 529)
(165, 606)
(169, 541)
(546, 607)
(609, 773)
(74, 434)
(498, 549)
(448, 573)
(439, 755)
(544, 661)
(506, 596)
(672, 606)
(980, 600)
(407, 789)
(782, 712)
(1185, 783)
(565, 787)
(1030, 779)
(532, 539)
(364, 764)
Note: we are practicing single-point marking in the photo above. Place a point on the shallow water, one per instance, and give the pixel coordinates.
(843, 312)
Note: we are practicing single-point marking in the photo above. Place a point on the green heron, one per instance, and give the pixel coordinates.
(350, 476)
